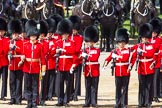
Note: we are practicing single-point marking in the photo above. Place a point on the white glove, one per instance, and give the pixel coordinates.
(152, 65)
(129, 68)
(72, 69)
(20, 63)
(114, 55)
(84, 55)
(43, 73)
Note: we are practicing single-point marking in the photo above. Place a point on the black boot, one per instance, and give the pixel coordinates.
(29, 104)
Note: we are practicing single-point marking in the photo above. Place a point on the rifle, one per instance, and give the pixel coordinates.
(138, 54)
(113, 63)
(84, 59)
(10, 55)
(57, 59)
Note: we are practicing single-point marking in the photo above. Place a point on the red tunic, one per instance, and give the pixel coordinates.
(34, 56)
(146, 59)
(66, 58)
(121, 64)
(4, 58)
(156, 41)
(92, 66)
(16, 54)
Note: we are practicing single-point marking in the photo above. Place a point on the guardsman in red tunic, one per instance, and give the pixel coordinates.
(65, 51)
(123, 60)
(14, 50)
(51, 62)
(91, 66)
(43, 89)
(160, 72)
(33, 61)
(146, 62)
(24, 39)
(156, 40)
(3, 58)
(78, 39)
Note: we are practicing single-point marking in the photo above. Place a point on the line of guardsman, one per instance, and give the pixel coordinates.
(48, 54)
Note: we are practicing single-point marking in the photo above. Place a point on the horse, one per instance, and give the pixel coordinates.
(100, 13)
(143, 13)
(108, 25)
(87, 9)
(42, 10)
(9, 9)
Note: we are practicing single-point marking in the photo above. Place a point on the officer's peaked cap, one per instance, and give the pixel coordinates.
(91, 34)
(64, 27)
(76, 20)
(14, 26)
(145, 30)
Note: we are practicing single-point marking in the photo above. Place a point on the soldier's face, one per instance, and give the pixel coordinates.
(121, 44)
(90, 44)
(49, 34)
(75, 31)
(33, 38)
(15, 35)
(41, 36)
(144, 40)
(65, 36)
(2, 32)
(154, 34)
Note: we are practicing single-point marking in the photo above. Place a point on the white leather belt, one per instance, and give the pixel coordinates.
(145, 60)
(121, 64)
(17, 55)
(65, 56)
(91, 63)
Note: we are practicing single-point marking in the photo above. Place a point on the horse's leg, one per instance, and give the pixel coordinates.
(107, 43)
(67, 8)
(101, 43)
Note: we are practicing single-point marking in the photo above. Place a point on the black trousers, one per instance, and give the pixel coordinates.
(91, 86)
(76, 81)
(160, 2)
(77, 89)
(4, 75)
(156, 83)
(51, 83)
(160, 84)
(31, 81)
(63, 77)
(43, 89)
(145, 85)
(16, 85)
(122, 84)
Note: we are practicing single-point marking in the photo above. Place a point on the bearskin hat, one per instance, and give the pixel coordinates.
(156, 25)
(23, 22)
(145, 30)
(14, 26)
(91, 34)
(32, 28)
(76, 20)
(57, 18)
(43, 27)
(3, 24)
(51, 25)
(122, 35)
(64, 26)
